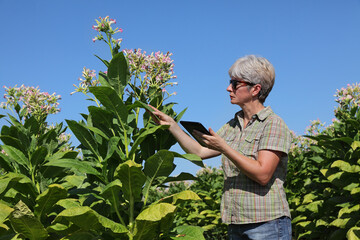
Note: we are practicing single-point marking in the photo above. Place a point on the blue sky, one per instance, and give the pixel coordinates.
(313, 45)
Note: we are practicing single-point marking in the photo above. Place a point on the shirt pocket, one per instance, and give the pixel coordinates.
(230, 139)
(250, 146)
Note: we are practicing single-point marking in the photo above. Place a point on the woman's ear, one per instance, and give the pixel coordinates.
(256, 90)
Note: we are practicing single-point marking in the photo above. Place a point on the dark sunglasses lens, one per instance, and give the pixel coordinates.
(233, 83)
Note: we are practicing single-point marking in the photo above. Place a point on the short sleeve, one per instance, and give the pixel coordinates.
(275, 136)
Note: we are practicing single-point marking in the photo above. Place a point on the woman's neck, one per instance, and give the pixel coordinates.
(250, 109)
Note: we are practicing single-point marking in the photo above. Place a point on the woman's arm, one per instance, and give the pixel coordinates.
(260, 170)
(188, 144)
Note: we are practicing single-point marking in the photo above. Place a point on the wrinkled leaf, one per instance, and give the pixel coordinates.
(24, 222)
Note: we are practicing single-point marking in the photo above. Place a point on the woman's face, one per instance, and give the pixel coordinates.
(239, 92)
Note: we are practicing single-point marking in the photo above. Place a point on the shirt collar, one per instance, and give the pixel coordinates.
(262, 115)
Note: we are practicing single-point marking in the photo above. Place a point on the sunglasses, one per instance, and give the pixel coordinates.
(234, 83)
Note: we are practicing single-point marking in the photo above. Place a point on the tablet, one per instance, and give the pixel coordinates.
(191, 126)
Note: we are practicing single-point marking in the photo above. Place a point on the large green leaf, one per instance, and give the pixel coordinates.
(191, 157)
(98, 132)
(112, 192)
(113, 146)
(346, 167)
(353, 233)
(88, 219)
(153, 220)
(143, 135)
(18, 182)
(16, 155)
(111, 101)
(180, 197)
(46, 200)
(183, 176)
(158, 165)
(187, 232)
(349, 211)
(340, 222)
(38, 156)
(132, 179)
(11, 141)
(68, 203)
(5, 211)
(84, 136)
(101, 116)
(24, 222)
(6, 162)
(118, 73)
(33, 125)
(80, 166)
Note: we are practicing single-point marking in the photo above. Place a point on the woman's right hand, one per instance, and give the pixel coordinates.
(161, 118)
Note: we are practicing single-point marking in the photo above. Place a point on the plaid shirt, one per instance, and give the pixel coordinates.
(244, 200)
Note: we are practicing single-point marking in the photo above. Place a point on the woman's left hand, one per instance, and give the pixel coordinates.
(213, 141)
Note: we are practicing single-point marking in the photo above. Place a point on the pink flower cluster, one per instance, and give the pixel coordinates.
(88, 80)
(104, 26)
(347, 98)
(35, 103)
(156, 69)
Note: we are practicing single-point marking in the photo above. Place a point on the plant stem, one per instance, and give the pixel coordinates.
(109, 43)
(131, 215)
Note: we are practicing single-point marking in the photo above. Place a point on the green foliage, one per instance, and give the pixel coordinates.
(122, 165)
(47, 191)
(205, 212)
(32, 178)
(323, 179)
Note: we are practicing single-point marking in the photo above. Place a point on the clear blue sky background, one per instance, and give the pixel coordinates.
(313, 45)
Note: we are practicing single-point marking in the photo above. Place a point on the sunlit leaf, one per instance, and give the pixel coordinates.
(46, 200)
(118, 73)
(87, 219)
(346, 167)
(154, 218)
(353, 233)
(189, 233)
(132, 179)
(24, 222)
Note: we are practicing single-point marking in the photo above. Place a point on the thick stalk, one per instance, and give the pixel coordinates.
(131, 213)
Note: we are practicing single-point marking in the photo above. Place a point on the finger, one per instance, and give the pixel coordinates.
(212, 132)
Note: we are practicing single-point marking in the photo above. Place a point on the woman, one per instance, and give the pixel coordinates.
(254, 147)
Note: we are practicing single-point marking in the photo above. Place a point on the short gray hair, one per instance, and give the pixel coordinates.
(257, 70)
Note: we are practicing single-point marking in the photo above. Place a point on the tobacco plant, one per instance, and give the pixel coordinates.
(31, 181)
(127, 156)
(50, 191)
(323, 184)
